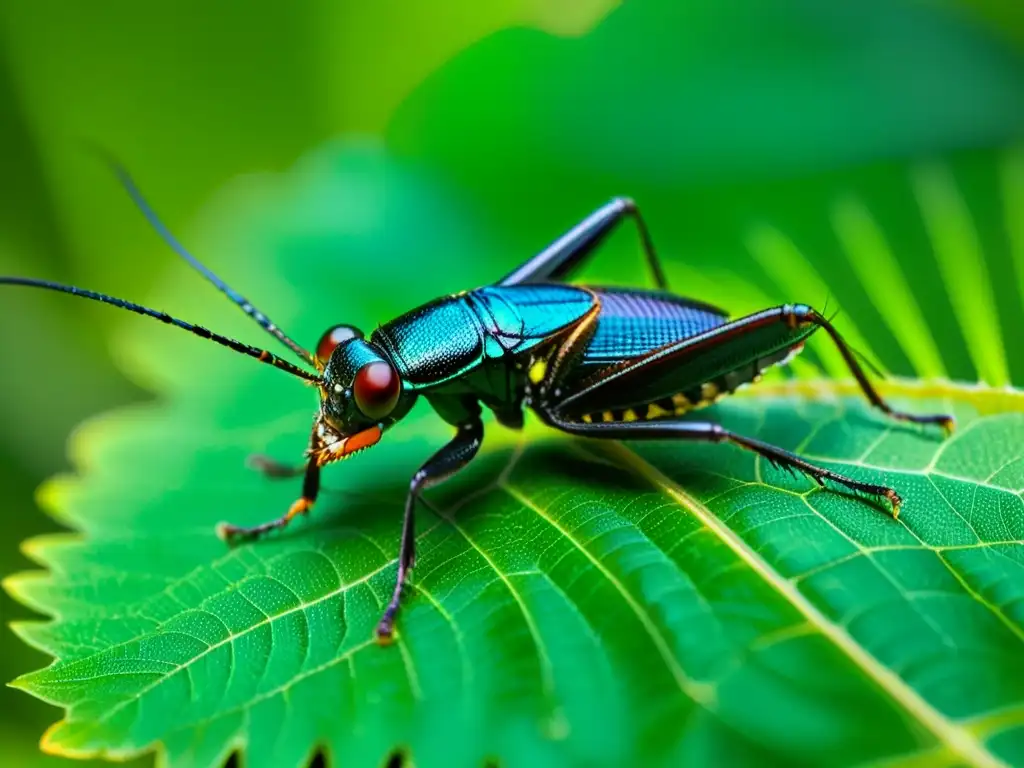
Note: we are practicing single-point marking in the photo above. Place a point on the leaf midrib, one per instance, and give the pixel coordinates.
(701, 694)
(956, 739)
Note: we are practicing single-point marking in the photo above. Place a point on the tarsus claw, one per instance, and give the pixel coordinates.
(895, 500)
(385, 632)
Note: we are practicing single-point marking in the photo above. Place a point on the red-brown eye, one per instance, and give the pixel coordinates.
(333, 338)
(376, 389)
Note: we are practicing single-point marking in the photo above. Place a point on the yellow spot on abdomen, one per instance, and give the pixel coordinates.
(655, 411)
(537, 370)
(629, 415)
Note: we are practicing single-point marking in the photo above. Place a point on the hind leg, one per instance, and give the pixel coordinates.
(558, 260)
(801, 315)
(669, 429)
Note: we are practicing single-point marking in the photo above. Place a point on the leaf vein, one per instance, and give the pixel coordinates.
(955, 737)
(698, 692)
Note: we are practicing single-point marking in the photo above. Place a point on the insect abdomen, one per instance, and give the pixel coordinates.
(695, 397)
(727, 355)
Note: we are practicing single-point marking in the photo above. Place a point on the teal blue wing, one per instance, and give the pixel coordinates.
(633, 323)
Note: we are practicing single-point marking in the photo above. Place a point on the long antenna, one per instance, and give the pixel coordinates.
(260, 354)
(165, 234)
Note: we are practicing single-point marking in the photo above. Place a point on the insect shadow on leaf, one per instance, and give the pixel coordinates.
(554, 463)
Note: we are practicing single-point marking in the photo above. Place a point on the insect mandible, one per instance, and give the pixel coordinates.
(597, 362)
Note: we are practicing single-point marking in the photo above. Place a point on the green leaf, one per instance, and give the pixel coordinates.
(573, 602)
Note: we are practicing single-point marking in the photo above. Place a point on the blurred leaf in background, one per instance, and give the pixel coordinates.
(771, 148)
(769, 145)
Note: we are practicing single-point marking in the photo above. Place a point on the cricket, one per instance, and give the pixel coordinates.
(596, 362)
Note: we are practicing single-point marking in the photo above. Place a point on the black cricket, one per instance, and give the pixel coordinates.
(598, 362)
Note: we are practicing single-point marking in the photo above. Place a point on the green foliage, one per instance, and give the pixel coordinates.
(572, 601)
(780, 87)
(771, 164)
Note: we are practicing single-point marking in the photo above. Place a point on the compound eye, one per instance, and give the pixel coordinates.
(333, 339)
(376, 389)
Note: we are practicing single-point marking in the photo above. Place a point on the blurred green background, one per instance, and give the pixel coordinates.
(867, 152)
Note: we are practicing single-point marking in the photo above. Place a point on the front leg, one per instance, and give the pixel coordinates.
(310, 490)
(442, 465)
